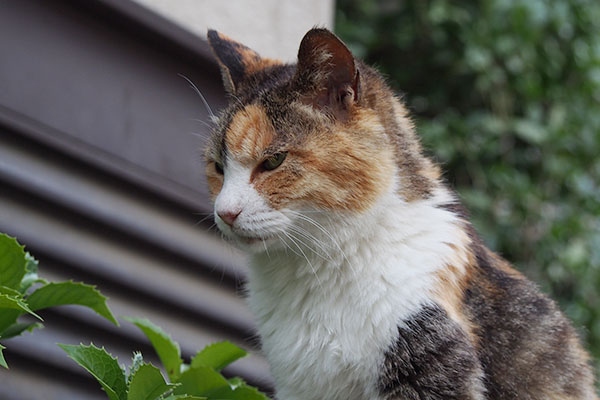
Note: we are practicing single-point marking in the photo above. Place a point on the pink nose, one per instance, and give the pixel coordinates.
(229, 216)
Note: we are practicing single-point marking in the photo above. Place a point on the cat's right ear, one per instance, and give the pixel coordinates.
(327, 75)
(236, 61)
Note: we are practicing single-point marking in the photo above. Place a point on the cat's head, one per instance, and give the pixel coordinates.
(322, 135)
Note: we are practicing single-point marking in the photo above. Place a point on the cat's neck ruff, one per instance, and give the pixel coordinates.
(333, 304)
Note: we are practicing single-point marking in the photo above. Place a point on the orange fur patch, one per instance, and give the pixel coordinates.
(253, 65)
(504, 265)
(251, 60)
(452, 283)
(249, 134)
(431, 171)
(213, 179)
(344, 167)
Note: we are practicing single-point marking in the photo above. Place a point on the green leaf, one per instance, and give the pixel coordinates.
(15, 303)
(236, 382)
(19, 328)
(237, 390)
(11, 292)
(241, 393)
(218, 355)
(31, 275)
(167, 349)
(102, 366)
(56, 294)
(12, 262)
(184, 397)
(136, 361)
(200, 381)
(2, 360)
(530, 131)
(8, 317)
(147, 383)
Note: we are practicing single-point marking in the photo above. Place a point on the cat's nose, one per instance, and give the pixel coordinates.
(229, 216)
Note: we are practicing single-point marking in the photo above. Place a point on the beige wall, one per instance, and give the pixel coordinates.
(274, 28)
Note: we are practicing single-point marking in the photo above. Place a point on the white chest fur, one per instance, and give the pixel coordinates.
(328, 311)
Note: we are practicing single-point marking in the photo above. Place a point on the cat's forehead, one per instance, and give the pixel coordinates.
(248, 134)
(251, 108)
(271, 123)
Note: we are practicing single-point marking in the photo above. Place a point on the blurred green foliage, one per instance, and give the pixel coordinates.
(506, 95)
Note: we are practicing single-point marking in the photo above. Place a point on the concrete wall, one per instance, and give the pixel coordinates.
(274, 28)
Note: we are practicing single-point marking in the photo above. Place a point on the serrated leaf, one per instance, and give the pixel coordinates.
(218, 355)
(200, 381)
(167, 349)
(236, 382)
(12, 262)
(56, 294)
(136, 361)
(2, 360)
(31, 273)
(15, 303)
(241, 393)
(11, 292)
(102, 366)
(9, 314)
(19, 328)
(147, 383)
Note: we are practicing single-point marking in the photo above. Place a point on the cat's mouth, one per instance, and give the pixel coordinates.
(255, 233)
(254, 240)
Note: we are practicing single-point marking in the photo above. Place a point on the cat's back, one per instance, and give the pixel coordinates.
(526, 346)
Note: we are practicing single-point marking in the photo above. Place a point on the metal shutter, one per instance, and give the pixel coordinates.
(101, 176)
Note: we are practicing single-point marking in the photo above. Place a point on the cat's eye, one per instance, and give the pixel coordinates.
(274, 161)
(219, 168)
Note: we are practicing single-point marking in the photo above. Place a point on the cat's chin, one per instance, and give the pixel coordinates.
(255, 244)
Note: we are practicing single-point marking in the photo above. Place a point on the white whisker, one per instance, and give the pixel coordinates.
(287, 246)
(207, 216)
(266, 248)
(203, 123)
(306, 258)
(305, 234)
(212, 115)
(327, 233)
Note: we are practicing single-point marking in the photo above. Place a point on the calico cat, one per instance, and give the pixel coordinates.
(366, 278)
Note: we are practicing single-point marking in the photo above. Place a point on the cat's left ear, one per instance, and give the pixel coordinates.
(327, 74)
(236, 61)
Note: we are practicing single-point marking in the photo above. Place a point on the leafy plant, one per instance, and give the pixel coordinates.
(199, 380)
(23, 292)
